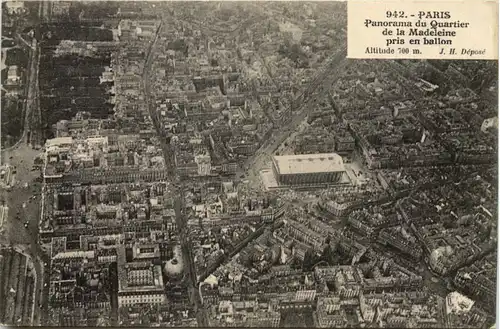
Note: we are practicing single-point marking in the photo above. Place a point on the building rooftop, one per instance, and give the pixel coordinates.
(58, 141)
(137, 276)
(308, 163)
(458, 303)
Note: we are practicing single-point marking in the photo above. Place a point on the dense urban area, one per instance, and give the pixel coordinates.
(224, 164)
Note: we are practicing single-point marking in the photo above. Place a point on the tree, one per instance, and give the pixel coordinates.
(310, 258)
(330, 256)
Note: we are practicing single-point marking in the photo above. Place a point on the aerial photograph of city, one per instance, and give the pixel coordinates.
(224, 164)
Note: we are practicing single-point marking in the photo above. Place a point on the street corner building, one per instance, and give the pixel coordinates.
(308, 169)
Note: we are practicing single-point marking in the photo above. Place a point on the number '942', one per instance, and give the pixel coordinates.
(395, 14)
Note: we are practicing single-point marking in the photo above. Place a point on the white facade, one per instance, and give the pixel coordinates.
(149, 298)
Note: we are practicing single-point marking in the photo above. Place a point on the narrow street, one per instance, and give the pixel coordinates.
(178, 204)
